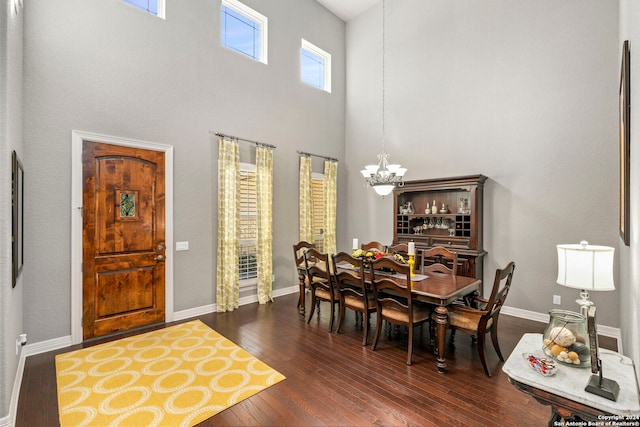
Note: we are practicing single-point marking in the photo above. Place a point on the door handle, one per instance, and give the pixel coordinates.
(159, 258)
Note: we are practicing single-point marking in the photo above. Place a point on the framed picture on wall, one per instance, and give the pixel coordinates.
(625, 148)
(17, 217)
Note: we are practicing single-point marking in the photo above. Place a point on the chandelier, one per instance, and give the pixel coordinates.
(383, 177)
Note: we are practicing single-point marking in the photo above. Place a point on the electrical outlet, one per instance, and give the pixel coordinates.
(557, 300)
(182, 246)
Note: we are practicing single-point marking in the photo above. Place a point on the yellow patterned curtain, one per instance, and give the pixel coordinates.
(264, 186)
(330, 191)
(228, 276)
(306, 200)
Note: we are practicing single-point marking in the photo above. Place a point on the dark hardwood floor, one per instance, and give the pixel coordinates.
(333, 381)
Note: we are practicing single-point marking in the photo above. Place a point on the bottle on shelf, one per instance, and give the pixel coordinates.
(434, 208)
(428, 210)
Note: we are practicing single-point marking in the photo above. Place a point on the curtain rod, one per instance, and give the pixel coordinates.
(317, 155)
(222, 135)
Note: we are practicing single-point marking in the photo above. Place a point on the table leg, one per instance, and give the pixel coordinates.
(442, 319)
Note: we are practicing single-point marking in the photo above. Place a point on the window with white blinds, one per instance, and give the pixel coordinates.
(317, 182)
(248, 223)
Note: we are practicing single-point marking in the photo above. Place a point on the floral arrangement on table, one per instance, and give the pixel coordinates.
(374, 254)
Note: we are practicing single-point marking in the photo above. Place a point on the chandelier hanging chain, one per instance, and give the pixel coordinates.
(383, 70)
(383, 177)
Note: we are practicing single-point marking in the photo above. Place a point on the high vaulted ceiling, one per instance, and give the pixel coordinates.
(347, 9)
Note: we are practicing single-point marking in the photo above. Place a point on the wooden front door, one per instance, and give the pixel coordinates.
(123, 239)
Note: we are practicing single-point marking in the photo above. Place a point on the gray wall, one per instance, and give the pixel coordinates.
(106, 67)
(523, 92)
(10, 139)
(630, 256)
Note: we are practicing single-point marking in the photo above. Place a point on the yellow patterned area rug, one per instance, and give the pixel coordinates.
(177, 376)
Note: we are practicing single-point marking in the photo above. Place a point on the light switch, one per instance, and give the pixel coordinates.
(182, 246)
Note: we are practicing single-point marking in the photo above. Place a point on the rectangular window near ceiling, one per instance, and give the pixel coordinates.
(244, 30)
(248, 194)
(315, 66)
(317, 189)
(154, 7)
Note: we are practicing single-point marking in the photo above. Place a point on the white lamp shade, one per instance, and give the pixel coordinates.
(401, 171)
(372, 169)
(585, 266)
(365, 173)
(383, 189)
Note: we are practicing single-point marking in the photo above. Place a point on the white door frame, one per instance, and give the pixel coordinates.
(77, 137)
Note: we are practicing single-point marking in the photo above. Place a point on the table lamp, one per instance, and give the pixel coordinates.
(585, 267)
(589, 268)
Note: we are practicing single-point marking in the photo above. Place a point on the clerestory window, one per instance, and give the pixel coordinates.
(154, 7)
(244, 30)
(315, 66)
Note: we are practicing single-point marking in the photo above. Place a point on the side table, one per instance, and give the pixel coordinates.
(565, 393)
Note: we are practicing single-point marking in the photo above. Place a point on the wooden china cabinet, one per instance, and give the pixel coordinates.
(456, 223)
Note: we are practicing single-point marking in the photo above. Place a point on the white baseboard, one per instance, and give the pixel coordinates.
(211, 308)
(194, 312)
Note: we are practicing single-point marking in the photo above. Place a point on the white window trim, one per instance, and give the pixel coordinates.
(162, 9)
(262, 20)
(306, 45)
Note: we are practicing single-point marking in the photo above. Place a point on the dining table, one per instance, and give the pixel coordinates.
(441, 290)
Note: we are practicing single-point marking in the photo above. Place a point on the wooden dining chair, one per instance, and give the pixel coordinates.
(483, 320)
(435, 259)
(320, 282)
(373, 246)
(298, 256)
(353, 292)
(400, 248)
(394, 302)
